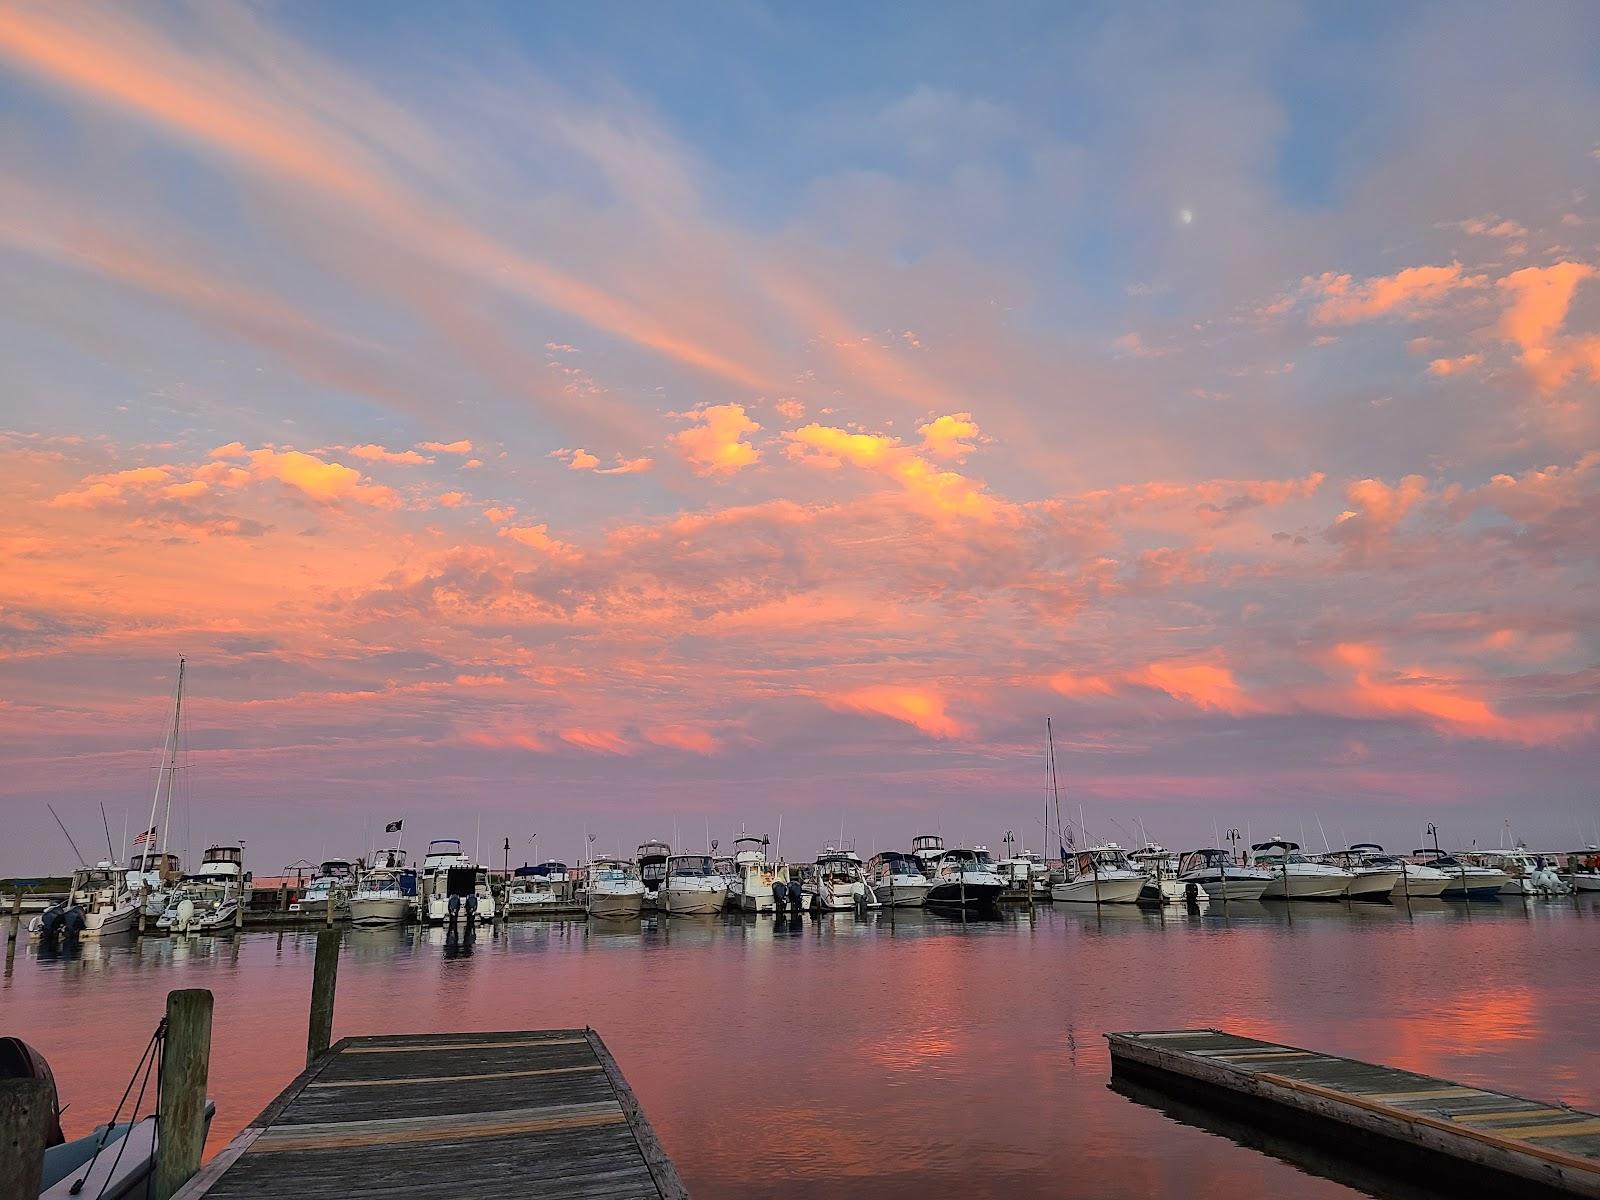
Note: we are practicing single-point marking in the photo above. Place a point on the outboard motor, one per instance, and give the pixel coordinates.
(472, 907)
(780, 897)
(1191, 895)
(73, 923)
(453, 907)
(50, 921)
(18, 1060)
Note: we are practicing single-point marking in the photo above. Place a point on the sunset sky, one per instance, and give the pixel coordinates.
(625, 418)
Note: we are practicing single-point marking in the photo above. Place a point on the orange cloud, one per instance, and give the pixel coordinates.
(936, 492)
(112, 488)
(683, 737)
(1208, 685)
(915, 706)
(716, 445)
(325, 482)
(1376, 510)
(1344, 302)
(452, 499)
(537, 537)
(626, 466)
(1539, 300)
(375, 453)
(461, 447)
(949, 436)
(581, 460)
(601, 740)
(1454, 366)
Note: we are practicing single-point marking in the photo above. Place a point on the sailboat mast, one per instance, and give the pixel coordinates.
(1055, 787)
(172, 766)
(161, 770)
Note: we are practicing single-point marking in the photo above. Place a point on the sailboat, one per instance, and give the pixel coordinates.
(154, 886)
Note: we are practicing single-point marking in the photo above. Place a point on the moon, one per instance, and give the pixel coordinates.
(1186, 216)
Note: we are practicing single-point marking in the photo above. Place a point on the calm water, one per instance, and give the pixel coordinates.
(872, 1057)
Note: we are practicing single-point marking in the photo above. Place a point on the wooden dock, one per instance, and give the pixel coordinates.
(516, 1114)
(1433, 1122)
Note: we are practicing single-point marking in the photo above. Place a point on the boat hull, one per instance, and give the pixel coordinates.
(616, 905)
(1584, 883)
(1104, 891)
(1217, 887)
(1474, 887)
(1373, 885)
(1306, 887)
(380, 910)
(1423, 888)
(692, 902)
(902, 895)
(949, 894)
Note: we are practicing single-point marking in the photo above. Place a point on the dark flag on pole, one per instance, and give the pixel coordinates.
(393, 827)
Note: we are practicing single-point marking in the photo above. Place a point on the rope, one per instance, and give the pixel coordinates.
(148, 1061)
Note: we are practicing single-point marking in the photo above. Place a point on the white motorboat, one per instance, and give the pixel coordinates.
(1160, 867)
(1466, 881)
(547, 887)
(1530, 874)
(1219, 878)
(451, 886)
(196, 906)
(652, 861)
(964, 879)
(1583, 870)
(1294, 876)
(149, 875)
(1025, 873)
(337, 878)
(750, 890)
(898, 880)
(927, 849)
(839, 882)
(1371, 879)
(615, 889)
(1099, 875)
(693, 886)
(1415, 880)
(386, 892)
(98, 905)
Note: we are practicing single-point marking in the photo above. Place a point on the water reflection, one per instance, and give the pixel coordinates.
(888, 1054)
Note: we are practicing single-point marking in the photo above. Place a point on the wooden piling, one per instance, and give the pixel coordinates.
(16, 916)
(181, 1117)
(238, 909)
(24, 1115)
(324, 979)
(330, 908)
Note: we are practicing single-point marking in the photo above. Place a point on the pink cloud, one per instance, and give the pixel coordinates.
(374, 453)
(920, 707)
(715, 445)
(1403, 294)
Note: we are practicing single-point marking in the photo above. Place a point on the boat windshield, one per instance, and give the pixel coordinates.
(1199, 860)
(691, 864)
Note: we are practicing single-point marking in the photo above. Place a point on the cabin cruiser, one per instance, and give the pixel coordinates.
(1372, 880)
(964, 879)
(98, 904)
(336, 878)
(1530, 874)
(198, 906)
(387, 891)
(1100, 875)
(1466, 881)
(543, 888)
(615, 889)
(898, 880)
(751, 888)
(1219, 878)
(653, 871)
(839, 882)
(451, 884)
(692, 887)
(1411, 879)
(1160, 867)
(1294, 876)
(927, 849)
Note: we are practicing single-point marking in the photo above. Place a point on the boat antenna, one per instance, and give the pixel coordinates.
(68, 836)
(778, 847)
(111, 851)
(1322, 831)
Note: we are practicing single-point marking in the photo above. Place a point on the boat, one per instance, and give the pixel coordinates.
(451, 885)
(98, 904)
(154, 885)
(337, 878)
(149, 875)
(195, 906)
(652, 861)
(1530, 874)
(111, 1162)
(927, 849)
(1414, 880)
(1296, 877)
(898, 879)
(1217, 877)
(1160, 867)
(615, 889)
(1583, 870)
(692, 886)
(964, 879)
(1371, 879)
(838, 883)
(547, 887)
(386, 892)
(1026, 876)
(751, 888)
(1099, 875)
(1466, 880)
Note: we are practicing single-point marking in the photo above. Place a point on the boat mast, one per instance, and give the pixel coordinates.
(172, 769)
(155, 799)
(1055, 789)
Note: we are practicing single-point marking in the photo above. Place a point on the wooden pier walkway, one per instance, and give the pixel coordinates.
(543, 1113)
(1554, 1148)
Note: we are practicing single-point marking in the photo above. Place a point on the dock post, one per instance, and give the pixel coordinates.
(24, 1113)
(16, 924)
(330, 908)
(181, 1117)
(238, 909)
(324, 979)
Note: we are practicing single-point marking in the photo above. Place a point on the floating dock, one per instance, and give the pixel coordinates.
(1430, 1122)
(485, 1115)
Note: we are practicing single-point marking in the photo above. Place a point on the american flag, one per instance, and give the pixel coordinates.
(144, 837)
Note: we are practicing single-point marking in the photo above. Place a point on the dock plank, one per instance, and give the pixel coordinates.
(1553, 1147)
(491, 1114)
